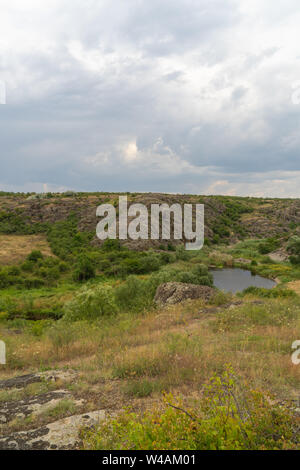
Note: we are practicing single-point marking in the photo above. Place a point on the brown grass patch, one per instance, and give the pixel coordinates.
(295, 286)
(15, 248)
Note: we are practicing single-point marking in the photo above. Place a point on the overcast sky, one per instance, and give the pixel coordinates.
(186, 96)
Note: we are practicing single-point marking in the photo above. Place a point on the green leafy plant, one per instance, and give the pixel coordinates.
(91, 303)
(230, 415)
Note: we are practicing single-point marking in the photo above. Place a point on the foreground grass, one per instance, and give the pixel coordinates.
(229, 415)
(129, 361)
(176, 348)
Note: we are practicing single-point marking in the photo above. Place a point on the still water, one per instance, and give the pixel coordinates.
(235, 280)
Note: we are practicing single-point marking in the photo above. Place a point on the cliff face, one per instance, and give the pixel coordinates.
(226, 217)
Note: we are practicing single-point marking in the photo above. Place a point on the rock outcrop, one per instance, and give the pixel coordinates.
(174, 292)
(32, 405)
(61, 435)
(24, 380)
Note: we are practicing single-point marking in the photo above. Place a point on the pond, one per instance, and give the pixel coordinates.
(235, 280)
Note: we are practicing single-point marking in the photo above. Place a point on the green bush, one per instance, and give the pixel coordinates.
(229, 416)
(187, 277)
(13, 270)
(268, 246)
(35, 255)
(8, 279)
(63, 267)
(181, 253)
(111, 245)
(34, 283)
(27, 266)
(134, 294)
(84, 269)
(91, 304)
(5, 280)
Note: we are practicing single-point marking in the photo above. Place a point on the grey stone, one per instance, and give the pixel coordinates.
(174, 292)
(61, 435)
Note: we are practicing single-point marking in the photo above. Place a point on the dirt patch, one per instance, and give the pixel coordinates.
(15, 248)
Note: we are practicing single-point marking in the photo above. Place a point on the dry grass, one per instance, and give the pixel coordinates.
(15, 248)
(176, 349)
(295, 286)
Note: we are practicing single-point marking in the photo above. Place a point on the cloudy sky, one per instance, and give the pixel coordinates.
(187, 96)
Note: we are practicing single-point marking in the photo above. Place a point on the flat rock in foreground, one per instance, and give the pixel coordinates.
(174, 292)
(32, 405)
(63, 434)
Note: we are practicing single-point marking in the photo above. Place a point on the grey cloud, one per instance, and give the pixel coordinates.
(147, 72)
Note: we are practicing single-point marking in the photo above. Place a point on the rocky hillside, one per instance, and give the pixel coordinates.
(226, 218)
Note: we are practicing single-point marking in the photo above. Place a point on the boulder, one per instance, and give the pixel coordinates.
(174, 292)
(279, 255)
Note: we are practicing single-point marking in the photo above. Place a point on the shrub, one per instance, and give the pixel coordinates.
(181, 253)
(229, 415)
(134, 294)
(168, 257)
(63, 267)
(268, 246)
(4, 280)
(204, 277)
(27, 266)
(13, 271)
(111, 245)
(84, 269)
(187, 277)
(198, 275)
(33, 283)
(35, 255)
(91, 303)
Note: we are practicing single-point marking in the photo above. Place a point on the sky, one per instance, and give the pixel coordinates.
(177, 96)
